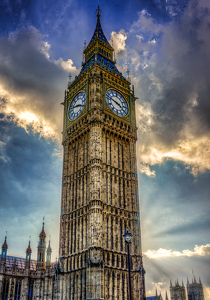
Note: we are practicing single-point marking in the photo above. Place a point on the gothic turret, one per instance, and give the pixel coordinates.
(49, 251)
(4, 248)
(28, 251)
(195, 290)
(41, 249)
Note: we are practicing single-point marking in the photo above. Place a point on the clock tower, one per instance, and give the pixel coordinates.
(99, 185)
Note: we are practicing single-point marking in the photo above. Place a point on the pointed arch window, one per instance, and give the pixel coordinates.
(106, 149)
(107, 233)
(112, 234)
(119, 193)
(123, 194)
(30, 291)
(111, 190)
(110, 152)
(121, 237)
(122, 157)
(118, 153)
(106, 190)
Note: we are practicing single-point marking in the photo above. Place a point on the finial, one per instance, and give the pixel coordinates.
(199, 280)
(170, 283)
(98, 11)
(69, 78)
(43, 223)
(156, 292)
(166, 296)
(128, 72)
(182, 283)
(177, 282)
(187, 280)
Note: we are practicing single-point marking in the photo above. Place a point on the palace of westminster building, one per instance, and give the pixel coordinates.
(99, 195)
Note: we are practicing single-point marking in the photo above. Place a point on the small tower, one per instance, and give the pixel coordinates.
(41, 249)
(28, 251)
(4, 248)
(177, 291)
(49, 251)
(195, 290)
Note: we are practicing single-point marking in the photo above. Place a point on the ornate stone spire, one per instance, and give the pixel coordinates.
(28, 251)
(41, 249)
(98, 33)
(42, 234)
(49, 251)
(4, 248)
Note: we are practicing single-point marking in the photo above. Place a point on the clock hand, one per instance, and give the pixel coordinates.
(76, 106)
(117, 103)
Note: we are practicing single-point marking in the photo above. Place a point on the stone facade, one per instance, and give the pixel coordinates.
(27, 279)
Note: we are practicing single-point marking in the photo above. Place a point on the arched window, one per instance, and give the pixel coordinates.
(107, 233)
(121, 237)
(122, 262)
(111, 233)
(112, 259)
(119, 193)
(123, 287)
(113, 285)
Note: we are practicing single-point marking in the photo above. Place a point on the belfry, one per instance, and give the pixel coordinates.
(99, 184)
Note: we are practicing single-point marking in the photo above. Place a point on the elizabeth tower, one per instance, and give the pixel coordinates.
(99, 185)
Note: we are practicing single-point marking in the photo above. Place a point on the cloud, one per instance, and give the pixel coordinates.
(146, 170)
(32, 85)
(67, 65)
(203, 250)
(170, 66)
(118, 40)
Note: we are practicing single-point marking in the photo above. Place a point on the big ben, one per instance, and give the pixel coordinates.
(99, 184)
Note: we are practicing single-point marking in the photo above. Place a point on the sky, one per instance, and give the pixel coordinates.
(165, 44)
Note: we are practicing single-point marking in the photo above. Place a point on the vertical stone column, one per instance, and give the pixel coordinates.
(1, 285)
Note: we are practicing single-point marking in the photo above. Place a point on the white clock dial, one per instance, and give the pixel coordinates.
(117, 103)
(77, 105)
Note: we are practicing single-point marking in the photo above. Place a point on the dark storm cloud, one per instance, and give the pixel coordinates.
(195, 226)
(27, 75)
(170, 64)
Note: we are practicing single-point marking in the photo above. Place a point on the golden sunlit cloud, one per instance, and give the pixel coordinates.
(190, 149)
(26, 118)
(203, 250)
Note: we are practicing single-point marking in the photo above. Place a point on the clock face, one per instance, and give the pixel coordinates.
(117, 103)
(77, 105)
